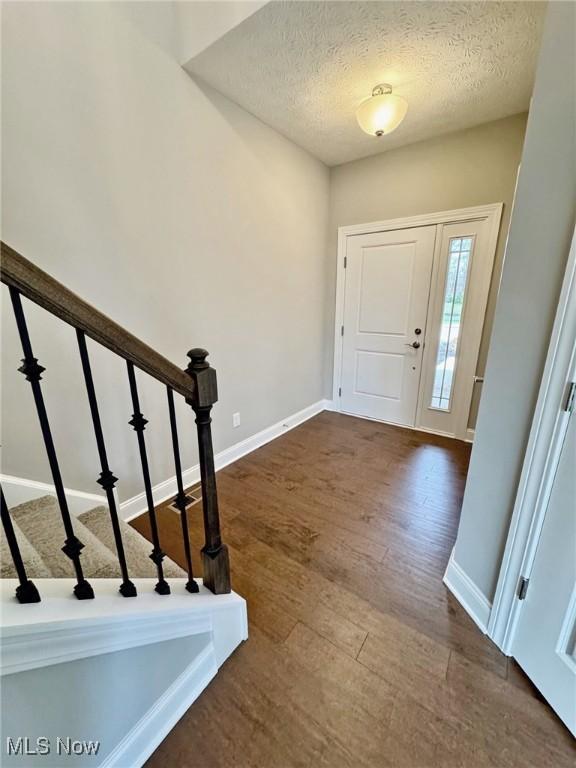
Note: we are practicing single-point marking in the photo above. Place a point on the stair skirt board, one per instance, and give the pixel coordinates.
(19, 490)
(141, 741)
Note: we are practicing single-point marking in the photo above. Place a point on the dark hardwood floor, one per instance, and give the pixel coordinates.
(339, 535)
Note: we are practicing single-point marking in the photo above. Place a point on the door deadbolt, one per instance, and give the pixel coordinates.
(417, 331)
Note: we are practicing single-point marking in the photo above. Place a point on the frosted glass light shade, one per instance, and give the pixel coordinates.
(381, 114)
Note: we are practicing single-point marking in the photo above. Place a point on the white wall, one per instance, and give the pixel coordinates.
(191, 223)
(99, 698)
(178, 214)
(462, 169)
(199, 24)
(538, 244)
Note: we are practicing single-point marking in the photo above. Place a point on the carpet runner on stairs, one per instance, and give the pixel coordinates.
(30, 557)
(136, 547)
(40, 533)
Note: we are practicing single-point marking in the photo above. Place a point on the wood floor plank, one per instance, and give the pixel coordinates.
(261, 586)
(419, 738)
(515, 722)
(328, 662)
(404, 657)
(358, 657)
(343, 712)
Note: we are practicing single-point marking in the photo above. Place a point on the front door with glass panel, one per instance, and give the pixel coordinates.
(385, 307)
(413, 314)
(462, 271)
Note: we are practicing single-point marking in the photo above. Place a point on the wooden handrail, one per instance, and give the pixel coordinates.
(39, 287)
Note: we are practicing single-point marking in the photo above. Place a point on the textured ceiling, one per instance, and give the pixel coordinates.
(303, 67)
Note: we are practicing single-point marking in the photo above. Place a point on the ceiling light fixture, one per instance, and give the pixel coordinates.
(382, 112)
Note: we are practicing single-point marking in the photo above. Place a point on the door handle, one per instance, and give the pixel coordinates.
(414, 345)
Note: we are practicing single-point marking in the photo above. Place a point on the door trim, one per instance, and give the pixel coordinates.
(492, 213)
(545, 442)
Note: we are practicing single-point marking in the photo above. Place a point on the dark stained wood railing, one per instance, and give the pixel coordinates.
(216, 567)
(198, 386)
(48, 293)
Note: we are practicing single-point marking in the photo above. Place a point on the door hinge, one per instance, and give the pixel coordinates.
(570, 397)
(523, 587)
(342, 331)
(339, 391)
(345, 261)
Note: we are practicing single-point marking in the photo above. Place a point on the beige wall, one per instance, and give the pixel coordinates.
(541, 230)
(466, 168)
(175, 212)
(199, 24)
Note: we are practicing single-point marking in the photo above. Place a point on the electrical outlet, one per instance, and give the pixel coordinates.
(235, 419)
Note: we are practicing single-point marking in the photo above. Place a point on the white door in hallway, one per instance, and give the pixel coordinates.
(545, 639)
(385, 308)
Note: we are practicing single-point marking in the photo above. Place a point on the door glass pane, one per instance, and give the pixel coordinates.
(459, 253)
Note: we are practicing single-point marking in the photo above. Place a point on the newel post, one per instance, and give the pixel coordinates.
(215, 561)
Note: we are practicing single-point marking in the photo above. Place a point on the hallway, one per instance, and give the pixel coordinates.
(339, 535)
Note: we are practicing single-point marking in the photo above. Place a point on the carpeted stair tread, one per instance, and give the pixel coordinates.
(33, 563)
(136, 547)
(41, 522)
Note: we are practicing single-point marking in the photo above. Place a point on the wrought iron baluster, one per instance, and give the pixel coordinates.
(107, 479)
(215, 560)
(26, 592)
(181, 499)
(33, 372)
(138, 422)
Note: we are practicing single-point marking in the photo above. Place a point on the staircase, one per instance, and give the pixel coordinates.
(38, 521)
(105, 644)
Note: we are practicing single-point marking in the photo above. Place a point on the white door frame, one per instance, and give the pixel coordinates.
(491, 213)
(547, 434)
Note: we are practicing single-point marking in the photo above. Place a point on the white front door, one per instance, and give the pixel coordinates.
(545, 639)
(385, 307)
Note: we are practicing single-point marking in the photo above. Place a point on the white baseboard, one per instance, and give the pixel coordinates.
(136, 505)
(332, 405)
(18, 490)
(141, 741)
(467, 593)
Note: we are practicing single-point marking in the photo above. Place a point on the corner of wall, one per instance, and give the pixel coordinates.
(470, 597)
